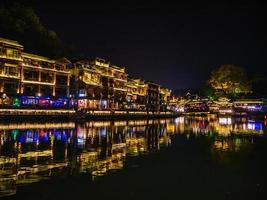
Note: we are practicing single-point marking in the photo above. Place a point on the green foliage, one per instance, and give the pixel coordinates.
(208, 92)
(230, 80)
(19, 22)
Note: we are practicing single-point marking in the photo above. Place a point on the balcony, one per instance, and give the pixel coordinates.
(120, 89)
(120, 77)
(9, 71)
(10, 57)
(101, 64)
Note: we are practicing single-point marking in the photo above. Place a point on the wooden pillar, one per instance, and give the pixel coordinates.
(21, 79)
(1, 85)
(68, 86)
(39, 76)
(54, 84)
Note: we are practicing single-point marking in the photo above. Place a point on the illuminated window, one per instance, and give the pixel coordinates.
(12, 53)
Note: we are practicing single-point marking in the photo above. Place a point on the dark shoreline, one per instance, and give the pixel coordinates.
(81, 117)
(78, 118)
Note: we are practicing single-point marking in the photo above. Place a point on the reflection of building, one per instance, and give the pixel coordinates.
(29, 153)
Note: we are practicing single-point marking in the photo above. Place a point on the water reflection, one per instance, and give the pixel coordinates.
(33, 152)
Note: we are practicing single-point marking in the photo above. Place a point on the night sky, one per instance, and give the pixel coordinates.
(176, 45)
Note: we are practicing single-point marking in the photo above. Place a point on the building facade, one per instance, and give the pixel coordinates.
(29, 80)
(86, 86)
(164, 99)
(153, 96)
(136, 94)
(113, 80)
(10, 70)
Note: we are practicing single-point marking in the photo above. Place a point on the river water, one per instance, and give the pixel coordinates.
(32, 154)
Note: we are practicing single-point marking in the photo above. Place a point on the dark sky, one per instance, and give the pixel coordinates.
(176, 45)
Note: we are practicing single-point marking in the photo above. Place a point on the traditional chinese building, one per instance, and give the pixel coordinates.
(153, 96)
(41, 76)
(164, 98)
(136, 94)
(43, 80)
(35, 80)
(106, 79)
(30, 80)
(86, 86)
(10, 70)
(113, 79)
(119, 86)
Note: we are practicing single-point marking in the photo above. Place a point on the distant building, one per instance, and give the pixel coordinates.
(164, 99)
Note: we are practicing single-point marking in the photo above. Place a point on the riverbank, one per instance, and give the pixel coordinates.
(9, 115)
(72, 115)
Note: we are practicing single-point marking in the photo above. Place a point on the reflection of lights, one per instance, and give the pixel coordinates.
(254, 108)
(179, 120)
(224, 111)
(36, 125)
(254, 126)
(118, 146)
(251, 126)
(179, 109)
(170, 128)
(120, 123)
(14, 134)
(80, 142)
(103, 132)
(36, 154)
(99, 157)
(225, 120)
(220, 145)
(98, 124)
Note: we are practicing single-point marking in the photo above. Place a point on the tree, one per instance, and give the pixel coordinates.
(208, 92)
(230, 80)
(21, 23)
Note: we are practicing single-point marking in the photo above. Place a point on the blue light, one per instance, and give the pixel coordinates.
(258, 126)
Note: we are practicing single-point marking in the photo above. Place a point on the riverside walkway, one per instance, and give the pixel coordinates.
(64, 114)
